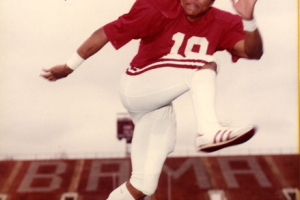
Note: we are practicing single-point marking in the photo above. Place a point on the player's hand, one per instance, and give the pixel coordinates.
(244, 8)
(57, 72)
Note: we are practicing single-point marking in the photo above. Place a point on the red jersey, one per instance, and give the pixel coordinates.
(169, 39)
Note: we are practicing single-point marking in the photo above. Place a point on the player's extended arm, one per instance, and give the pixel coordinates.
(252, 46)
(91, 46)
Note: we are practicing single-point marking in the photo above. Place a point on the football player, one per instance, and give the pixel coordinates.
(177, 43)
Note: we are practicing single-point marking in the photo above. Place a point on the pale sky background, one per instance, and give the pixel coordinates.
(77, 115)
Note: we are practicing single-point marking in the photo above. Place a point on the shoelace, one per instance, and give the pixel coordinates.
(225, 123)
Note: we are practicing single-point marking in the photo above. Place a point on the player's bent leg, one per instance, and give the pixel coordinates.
(153, 89)
(203, 92)
(211, 135)
(155, 127)
(154, 138)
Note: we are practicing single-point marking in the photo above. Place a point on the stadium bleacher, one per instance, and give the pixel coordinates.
(263, 177)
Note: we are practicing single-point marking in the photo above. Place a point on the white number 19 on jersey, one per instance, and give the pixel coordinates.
(189, 54)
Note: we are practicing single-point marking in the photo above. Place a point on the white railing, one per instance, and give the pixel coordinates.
(122, 154)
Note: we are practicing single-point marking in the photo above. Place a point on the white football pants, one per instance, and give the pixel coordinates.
(148, 98)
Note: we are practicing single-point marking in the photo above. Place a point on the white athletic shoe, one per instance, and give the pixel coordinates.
(223, 136)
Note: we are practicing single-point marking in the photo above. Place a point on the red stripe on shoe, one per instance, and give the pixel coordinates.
(221, 139)
(216, 135)
(228, 136)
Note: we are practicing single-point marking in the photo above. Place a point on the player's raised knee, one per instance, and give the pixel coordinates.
(210, 65)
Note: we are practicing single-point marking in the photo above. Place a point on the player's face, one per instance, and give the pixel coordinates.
(194, 9)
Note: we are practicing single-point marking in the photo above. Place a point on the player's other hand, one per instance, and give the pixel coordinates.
(57, 72)
(244, 8)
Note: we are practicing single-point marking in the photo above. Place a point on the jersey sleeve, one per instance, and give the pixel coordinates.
(140, 22)
(235, 33)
